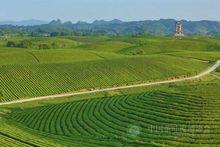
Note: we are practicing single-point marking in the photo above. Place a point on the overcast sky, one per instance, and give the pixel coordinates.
(89, 10)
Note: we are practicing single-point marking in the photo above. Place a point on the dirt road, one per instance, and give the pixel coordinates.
(208, 71)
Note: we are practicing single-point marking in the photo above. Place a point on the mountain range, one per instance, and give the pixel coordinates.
(31, 22)
(113, 27)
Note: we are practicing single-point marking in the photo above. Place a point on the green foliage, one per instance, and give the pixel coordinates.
(24, 44)
(11, 44)
(20, 44)
(55, 34)
(40, 43)
(215, 46)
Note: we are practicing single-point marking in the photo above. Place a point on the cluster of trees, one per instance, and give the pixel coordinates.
(20, 44)
(30, 44)
(56, 33)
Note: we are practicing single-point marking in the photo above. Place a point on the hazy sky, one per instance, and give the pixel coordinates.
(89, 10)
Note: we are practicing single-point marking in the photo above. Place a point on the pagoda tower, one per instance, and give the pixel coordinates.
(179, 29)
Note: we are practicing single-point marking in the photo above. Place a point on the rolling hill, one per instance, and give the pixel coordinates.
(174, 114)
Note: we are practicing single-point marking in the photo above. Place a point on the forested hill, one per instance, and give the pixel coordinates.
(114, 27)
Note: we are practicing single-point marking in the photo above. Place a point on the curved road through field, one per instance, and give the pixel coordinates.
(208, 71)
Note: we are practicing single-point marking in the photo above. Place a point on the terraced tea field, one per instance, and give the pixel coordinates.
(153, 118)
(45, 79)
(176, 114)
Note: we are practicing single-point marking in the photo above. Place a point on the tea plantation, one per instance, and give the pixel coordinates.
(178, 114)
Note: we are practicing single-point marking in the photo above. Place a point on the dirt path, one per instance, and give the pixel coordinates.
(208, 71)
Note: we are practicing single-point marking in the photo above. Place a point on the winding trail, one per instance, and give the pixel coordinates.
(208, 71)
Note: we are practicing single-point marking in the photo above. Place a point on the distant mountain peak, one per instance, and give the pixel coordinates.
(101, 22)
(68, 23)
(116, 21)
(56, 22)
(97, 22)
